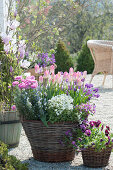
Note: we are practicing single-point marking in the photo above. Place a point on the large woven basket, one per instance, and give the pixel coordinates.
(94, 159)
(46, 141)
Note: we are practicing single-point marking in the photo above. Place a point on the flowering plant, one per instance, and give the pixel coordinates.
(12, 50)
(43, 60)
(62, 99)
(90, 134)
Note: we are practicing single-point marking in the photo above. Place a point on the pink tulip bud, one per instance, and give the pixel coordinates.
(37, 69)
(52, 69)
(79, 82)
(84, 74)
(71, 71)
(65, 76)
(46, 74)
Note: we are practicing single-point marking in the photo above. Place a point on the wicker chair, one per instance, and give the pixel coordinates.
(102, 53)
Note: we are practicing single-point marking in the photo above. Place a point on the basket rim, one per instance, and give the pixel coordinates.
(62, 122)
(93, 148)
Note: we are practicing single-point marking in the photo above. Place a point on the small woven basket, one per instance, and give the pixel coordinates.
(94, 159)
(46, 141)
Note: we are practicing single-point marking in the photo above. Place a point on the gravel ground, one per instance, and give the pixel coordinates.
(104, 112)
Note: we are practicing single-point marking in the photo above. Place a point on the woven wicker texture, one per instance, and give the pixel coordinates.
(102, 53)
(94, 159)
(46, 141)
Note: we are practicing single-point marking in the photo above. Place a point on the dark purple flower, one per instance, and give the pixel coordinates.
(73, 142)
(91, 123)
(112, 140)
(101, 140)
(108, 141)
(88, 85)
(95, 90)
(80, 139)
(89, 98)
(107, 127)
(96, 95)
(67, 132)
(88, 132)
(106, 132)
(102, 127)
(83, 127)
(75, 89)
(61, 142)
(83, 79)
(97, 124)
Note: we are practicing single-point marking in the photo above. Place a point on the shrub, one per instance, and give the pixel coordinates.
(9, 68)
(62, 57)
(9, 162)
(84, 59)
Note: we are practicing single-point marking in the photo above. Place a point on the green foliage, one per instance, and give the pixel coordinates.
(85, 60)
(8, 70)
(8, 162)
(51, 103)
(62, 57)
(90, 134)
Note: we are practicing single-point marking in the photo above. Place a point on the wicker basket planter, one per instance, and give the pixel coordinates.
(94, 159)
(10, 128)
(45, 141)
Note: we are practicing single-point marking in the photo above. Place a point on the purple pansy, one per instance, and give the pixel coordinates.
(88, 132)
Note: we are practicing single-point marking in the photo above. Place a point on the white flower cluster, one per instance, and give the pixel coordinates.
(61, 103)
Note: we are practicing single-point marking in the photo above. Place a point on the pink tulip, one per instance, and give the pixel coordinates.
(56, 77)
(65, 76)
(59, 80)
(84, 74)
(13, 107)
(46, 74)
(71, 71)
(70, 78)
(78, 74)
(41, 79)
(52, 69)
(37, 68)
(79, 82)
(15, 83)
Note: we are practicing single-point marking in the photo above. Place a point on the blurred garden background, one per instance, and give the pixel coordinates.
(69, 23)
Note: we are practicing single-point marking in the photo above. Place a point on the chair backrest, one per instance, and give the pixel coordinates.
(102, 52)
